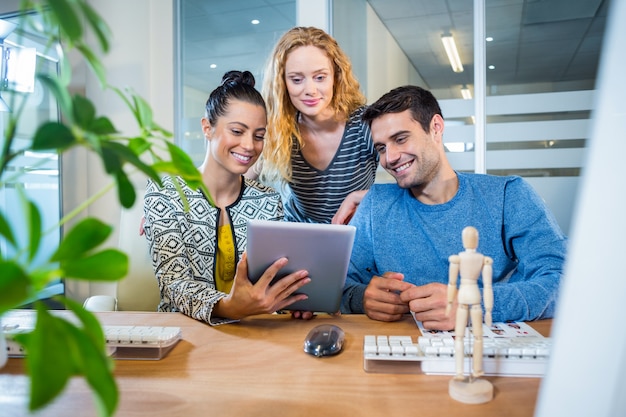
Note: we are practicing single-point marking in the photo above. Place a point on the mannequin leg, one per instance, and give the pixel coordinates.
(477, 331)
(459, 330)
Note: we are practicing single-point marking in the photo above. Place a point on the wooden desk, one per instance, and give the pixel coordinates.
(258, 368)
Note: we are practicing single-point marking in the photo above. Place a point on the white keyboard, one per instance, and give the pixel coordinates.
(122, 342)
(143, 336)
(517, 356)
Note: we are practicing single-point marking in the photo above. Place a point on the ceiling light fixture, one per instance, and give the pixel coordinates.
(466, 93)
(452, 52)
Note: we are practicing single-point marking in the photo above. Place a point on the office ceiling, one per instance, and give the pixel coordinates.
(554, 42)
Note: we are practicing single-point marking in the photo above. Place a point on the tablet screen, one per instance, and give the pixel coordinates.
(321, 249)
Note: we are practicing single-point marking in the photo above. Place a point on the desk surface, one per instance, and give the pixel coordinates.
(257, 368)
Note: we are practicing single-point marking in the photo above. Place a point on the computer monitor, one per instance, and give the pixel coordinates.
(587, 371)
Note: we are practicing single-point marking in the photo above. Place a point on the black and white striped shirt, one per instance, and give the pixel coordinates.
(315, 196)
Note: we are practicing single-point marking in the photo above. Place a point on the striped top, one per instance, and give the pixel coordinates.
(315, 196)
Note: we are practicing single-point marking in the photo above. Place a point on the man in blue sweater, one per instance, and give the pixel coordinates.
(407, 231)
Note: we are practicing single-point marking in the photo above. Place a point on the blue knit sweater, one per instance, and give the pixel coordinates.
(396, 232)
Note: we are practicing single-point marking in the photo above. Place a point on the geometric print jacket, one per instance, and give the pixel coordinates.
(183, 244)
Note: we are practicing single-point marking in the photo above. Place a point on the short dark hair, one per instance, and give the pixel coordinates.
(422, 104)
(236, 85)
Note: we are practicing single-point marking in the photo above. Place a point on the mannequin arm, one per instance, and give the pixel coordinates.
(453, 273)
(488, 289)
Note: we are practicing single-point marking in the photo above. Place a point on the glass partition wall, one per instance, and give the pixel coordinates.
(32, 174)
(540, 62)
(215, 37)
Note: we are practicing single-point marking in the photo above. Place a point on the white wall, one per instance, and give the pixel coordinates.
(140, 58)
(377, 60)
(313, 13)
(387, 65)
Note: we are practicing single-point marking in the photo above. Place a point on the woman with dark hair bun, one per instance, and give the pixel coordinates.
(199, 254)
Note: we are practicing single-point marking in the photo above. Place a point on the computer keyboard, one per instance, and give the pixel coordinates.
(122, 342)
(520, 357)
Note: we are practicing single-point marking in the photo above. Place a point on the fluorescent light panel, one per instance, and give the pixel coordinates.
(453, 54)
(466, 93)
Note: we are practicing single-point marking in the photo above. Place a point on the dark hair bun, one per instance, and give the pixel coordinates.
(238, 77)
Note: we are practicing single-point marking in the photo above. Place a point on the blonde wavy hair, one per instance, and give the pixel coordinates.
(281, 113)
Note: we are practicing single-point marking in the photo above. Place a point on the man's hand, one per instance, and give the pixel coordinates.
(382, 297)
(429, 304)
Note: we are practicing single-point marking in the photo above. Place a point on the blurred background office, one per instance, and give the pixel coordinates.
(517, 96)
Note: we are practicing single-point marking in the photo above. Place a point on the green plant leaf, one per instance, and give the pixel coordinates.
(92, 140)
(183, 163)
(84, 111)
(99, 26)
(6, 231)
(60, 93)
(128, 154)
(34, 228)
(65, 67)
(111, 160)
(125, 189)
(102, 126)
(94, 63)
(14, 285)
(139, 145)
(193, 179)
(53, 135)
(58, 349)
(90, 323)
(68, 20)
(40, 277)
(96, 367)
(125, 99)
(144, 111)
(167, 167)
(83, 237)
(70, 350)
(49, 368)
(181, 193)
(158, 129)
(107, 265)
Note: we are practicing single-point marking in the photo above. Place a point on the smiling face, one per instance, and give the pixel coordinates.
(236, 139)
(411, 155)
(309, 77)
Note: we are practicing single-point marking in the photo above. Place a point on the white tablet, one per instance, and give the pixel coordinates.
(322, 249)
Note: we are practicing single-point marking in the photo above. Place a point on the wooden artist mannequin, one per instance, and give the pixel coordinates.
(470, 265)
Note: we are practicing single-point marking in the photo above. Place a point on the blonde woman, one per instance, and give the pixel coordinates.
(317, 145)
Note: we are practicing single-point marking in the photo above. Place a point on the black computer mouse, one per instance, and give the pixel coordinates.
(324, 340)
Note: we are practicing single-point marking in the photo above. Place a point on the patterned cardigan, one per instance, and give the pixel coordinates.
(183, 244)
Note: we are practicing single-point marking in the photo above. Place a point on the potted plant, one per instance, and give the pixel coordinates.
(58, 349)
